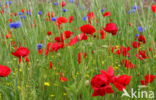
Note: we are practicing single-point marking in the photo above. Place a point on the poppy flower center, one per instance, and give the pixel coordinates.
(102, 85)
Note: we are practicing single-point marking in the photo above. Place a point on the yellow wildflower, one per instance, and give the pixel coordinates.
(46, 84)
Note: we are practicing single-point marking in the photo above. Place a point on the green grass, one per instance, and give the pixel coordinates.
(26, 81)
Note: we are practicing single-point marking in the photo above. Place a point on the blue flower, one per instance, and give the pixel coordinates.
(39, 46)
(28, 13)
(55, 3)
(102, 10)
(129, 12)
(15, 25)
(40, 13)
(133, 10)
(53, 19)
(71, 1)
(22, 17)
(20, 13)
(8, 2)
(64, 10)
(137, 35)
(135, 7)
(85, 18)
(140, 29)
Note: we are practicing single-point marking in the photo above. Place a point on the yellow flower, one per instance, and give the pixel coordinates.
(46, 84)
(117, 47)
(87, 76)
(64, 94)
(52, 95)
(20, 70)
(19, 87)
(103, 62)
(77, 73)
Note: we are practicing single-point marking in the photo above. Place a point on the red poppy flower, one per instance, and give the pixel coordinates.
(101, 82)
(49, 45)
(61, 20)
(73, 41)
(63, 79)
(83, 36)
(111, 28)
(8, 36)
(50, 65)
(142, 55)
(103, 34)
(153, 7)
(142, 38)
(100, 85)
(121, 82)
(79, 58)
(85, 55)
(46, 52)
(50, 14)
(49, 32)
(135, 44)
(147, 79)
(56, 46)
(4, 71)
(71, 19)
(128, 64)
(109, 74)
(40, 51)
(63, 4)
(107, 14)
(67, 34)
(90, 16)
(21, 52)
(22, 10)
(123, 51)
(59, 39)
(87, 29)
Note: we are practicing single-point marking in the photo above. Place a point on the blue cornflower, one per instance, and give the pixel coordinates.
(64, 10)
(15, 25)
(22, 17)
(28, 13)
(40, 13)
(133, 10)
(102, 10)
(20, 13)
(135, 7)
(137, 35)
(129, 12)
(71, 1)
(140, 29)
(55, 3)
(39, 46)
(53, 19)
(85, 18)
(8, 2)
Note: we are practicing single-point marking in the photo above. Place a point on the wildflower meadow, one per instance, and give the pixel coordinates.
(77, 50)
